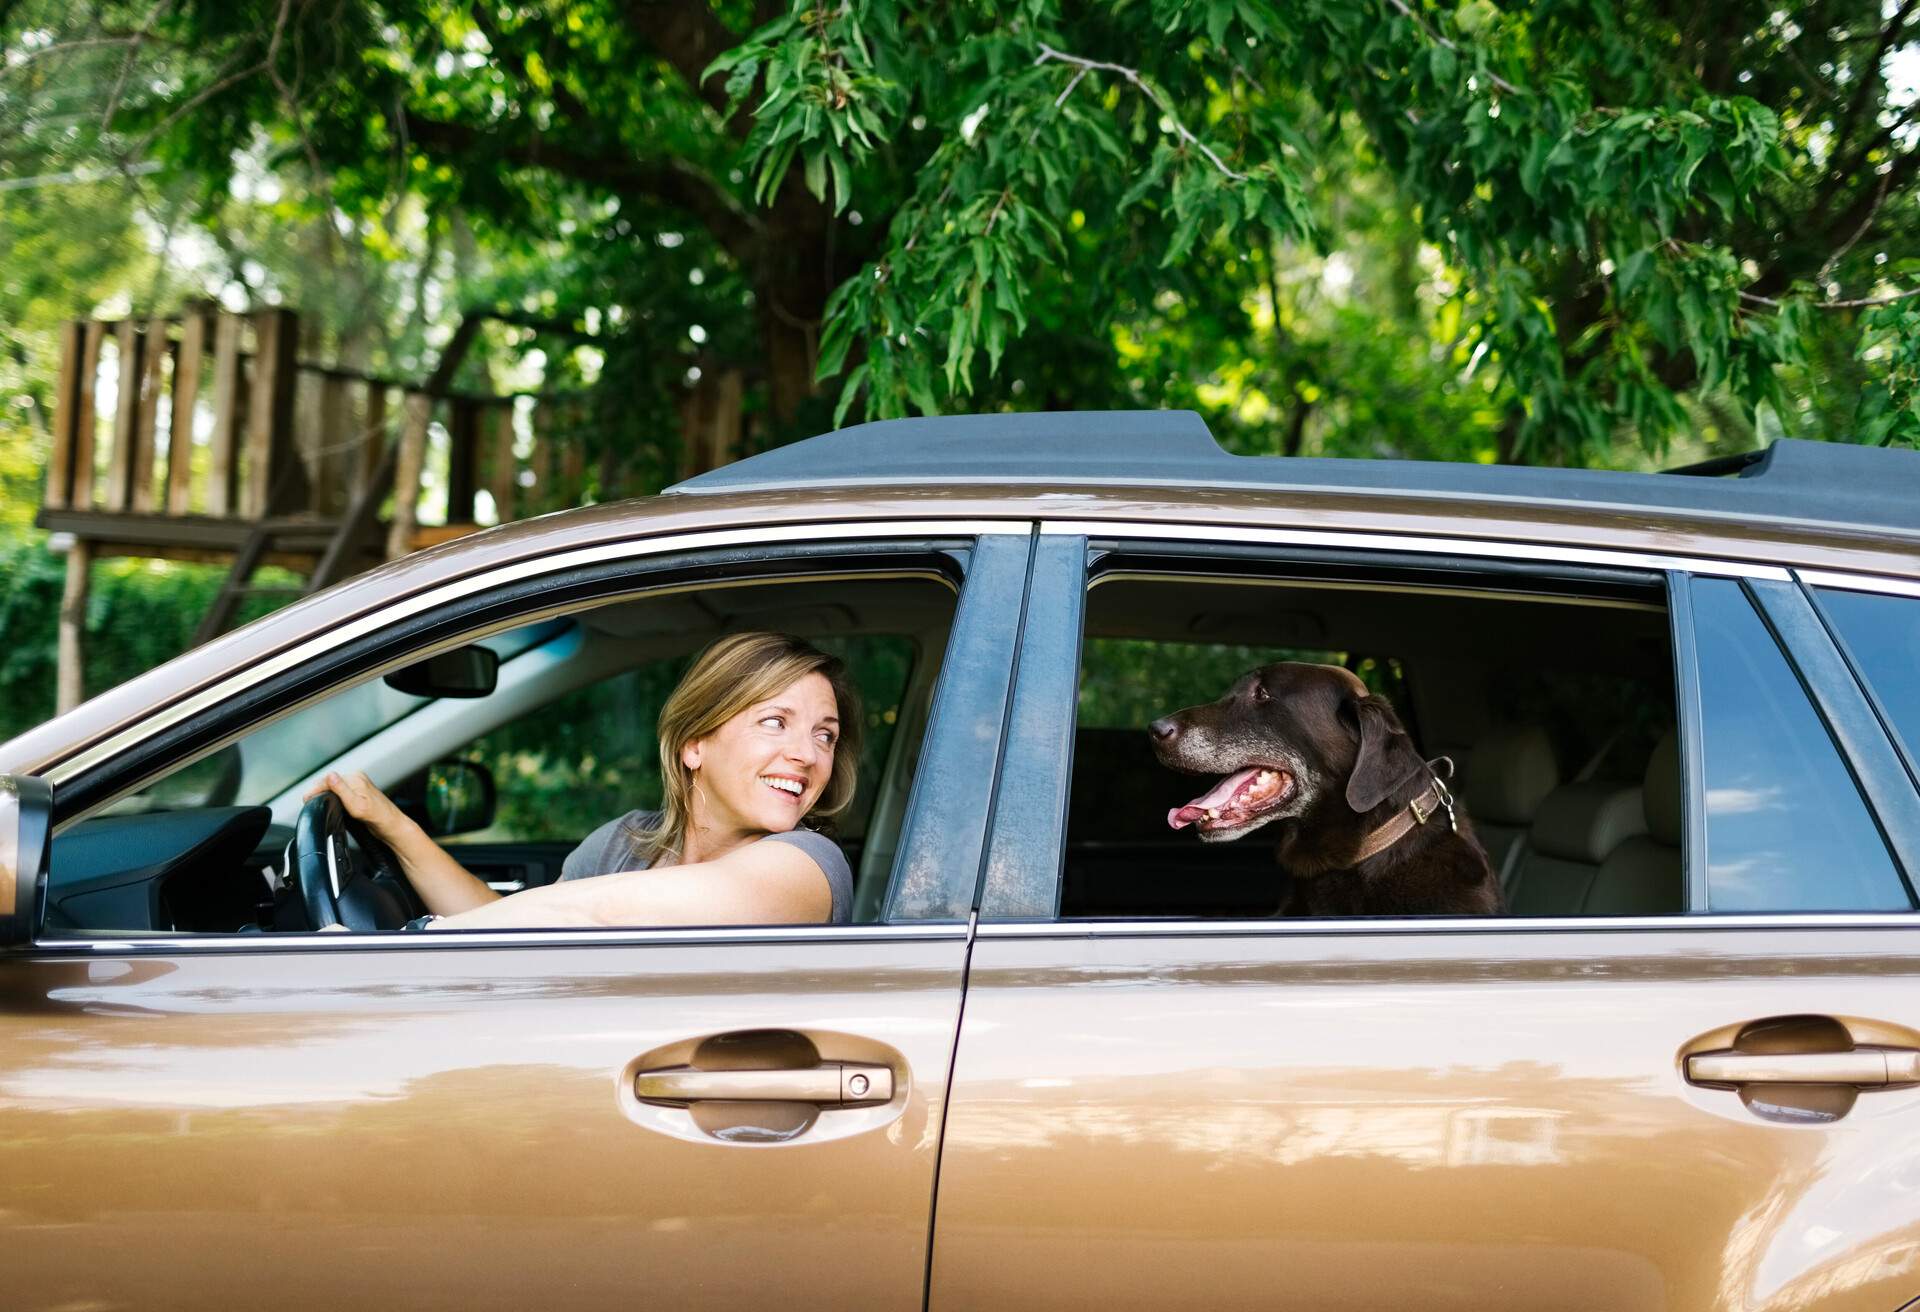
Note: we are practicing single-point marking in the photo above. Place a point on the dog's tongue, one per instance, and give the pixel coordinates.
(1182, 816)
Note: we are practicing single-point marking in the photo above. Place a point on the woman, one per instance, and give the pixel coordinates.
(762, 732)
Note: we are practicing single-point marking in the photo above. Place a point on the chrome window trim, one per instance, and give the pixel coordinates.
(1450, 925)
(1826, 578)
(443, 940)
(455, 589)
(1483, 547)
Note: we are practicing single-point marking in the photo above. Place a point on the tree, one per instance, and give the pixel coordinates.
(1567, 231)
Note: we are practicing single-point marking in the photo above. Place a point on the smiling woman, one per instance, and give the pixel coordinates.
(762, 733)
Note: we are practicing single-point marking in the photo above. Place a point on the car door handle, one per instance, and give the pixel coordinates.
(1863, 1068)
(832, 1084)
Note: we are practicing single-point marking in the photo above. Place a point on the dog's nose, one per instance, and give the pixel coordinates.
(1164, 730)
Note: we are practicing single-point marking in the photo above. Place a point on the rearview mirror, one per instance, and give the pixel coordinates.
(448, 797)
(26, 819)
(462, 672)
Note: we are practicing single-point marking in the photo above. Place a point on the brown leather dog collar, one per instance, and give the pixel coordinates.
(1417, 812)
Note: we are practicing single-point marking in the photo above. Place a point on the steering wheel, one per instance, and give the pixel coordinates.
(362, 890)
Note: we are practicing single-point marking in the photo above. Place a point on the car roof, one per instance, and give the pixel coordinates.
(1791, 481)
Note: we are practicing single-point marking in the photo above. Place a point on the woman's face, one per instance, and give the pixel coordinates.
(767, 766)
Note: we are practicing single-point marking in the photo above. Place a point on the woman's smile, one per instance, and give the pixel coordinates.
(767, 766)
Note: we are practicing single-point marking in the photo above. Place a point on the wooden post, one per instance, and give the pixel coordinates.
(70, 669)
(146, 424)
(338, 452)
(186, 394)
(463, 448)
(412, 451)
(540, 459)
(66, 406)
(126, 414)
(503, 476)
(373, 437)
(418, 412)
(223, 465)
(85, 420)
(275, 482)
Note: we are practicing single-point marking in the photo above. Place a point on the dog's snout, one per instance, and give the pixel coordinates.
(1165, 729)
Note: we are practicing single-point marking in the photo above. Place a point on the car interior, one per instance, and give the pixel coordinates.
(1553, 700)
(510, 779)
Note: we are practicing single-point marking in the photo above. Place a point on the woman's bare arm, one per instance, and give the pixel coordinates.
(756, 884)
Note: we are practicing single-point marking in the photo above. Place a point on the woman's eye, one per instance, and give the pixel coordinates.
(828, 738)
(774, 721)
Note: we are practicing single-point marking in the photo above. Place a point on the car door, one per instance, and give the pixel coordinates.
(520, 1118)
(1598, 1111)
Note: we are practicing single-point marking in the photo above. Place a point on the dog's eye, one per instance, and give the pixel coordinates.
(1260, 693)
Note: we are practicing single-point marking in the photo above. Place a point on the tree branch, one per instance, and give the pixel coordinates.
(1864, 302)
(1435, 37)
(689, 37)
(1870, 75)
(670, 182)
(1132, 75)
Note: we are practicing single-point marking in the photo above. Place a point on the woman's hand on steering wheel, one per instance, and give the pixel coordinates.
(339, 889)
(365, 802)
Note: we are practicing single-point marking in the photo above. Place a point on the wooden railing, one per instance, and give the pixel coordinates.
(211, 414)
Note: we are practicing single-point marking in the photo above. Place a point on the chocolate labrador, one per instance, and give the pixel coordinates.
(1366, 826)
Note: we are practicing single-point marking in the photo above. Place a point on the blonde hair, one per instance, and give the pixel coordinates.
(727, 678)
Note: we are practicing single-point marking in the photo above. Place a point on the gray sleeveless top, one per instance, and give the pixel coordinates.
(615, 846)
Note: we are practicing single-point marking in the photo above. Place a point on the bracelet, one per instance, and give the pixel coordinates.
(418, 923)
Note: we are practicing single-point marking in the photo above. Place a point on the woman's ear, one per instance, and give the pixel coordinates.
(690, 754)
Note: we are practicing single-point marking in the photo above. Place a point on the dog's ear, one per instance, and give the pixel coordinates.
(1385, 759)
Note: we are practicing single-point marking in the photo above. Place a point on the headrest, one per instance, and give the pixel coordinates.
(1662, 790)
(1511, 769)
(1584, 822)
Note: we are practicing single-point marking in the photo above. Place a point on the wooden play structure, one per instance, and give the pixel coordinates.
(205, 436)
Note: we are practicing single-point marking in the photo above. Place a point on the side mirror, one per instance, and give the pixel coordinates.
(26, 821)
(462, 672)
(449, 797)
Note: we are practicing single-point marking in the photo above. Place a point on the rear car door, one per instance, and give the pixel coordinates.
(416, 1121)
(1610, 1104)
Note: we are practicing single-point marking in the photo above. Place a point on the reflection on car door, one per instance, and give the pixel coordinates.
(396, 1126)
(1469, 1115)
(1471, 1120)
(458, 1120)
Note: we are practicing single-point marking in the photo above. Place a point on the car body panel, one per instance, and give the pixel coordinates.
(1427, 1119)
(1140, 1114)
(324, 1127)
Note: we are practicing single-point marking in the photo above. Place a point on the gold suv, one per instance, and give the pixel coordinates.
(1065, 1056)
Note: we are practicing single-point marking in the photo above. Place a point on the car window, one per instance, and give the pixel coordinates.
(1787, 829)
(564, 768)
(1882, 635)
(511, 780)
(1463, 670)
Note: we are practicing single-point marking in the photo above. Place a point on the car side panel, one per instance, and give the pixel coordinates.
(1468, 1120)
(455, 1127)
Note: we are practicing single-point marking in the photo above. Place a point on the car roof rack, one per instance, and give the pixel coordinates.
(1820, 483)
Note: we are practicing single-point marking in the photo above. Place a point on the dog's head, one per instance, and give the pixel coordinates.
(1292, 740)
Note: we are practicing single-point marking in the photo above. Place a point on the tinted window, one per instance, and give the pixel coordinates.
(1882, 635)
(1786, 828)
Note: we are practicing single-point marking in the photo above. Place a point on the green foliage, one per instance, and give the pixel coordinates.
(1572, 231)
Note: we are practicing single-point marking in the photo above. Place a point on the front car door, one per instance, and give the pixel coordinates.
(1152, 1109)
(409, 1120)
